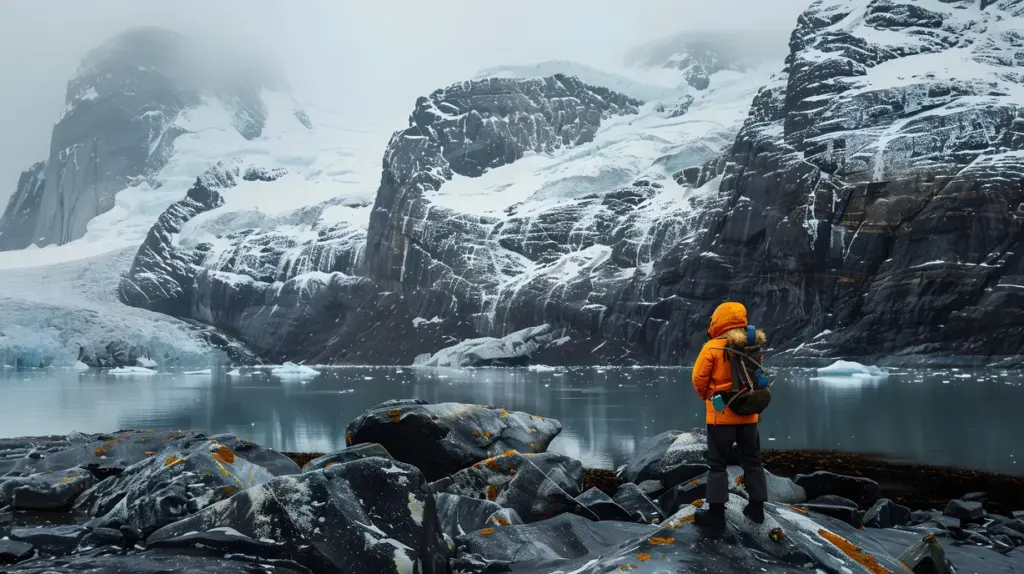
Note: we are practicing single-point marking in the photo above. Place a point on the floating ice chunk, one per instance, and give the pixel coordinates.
(541, 368)
(851, 369)
(132, 371)
(293, 371)
(234, 373)
(80, 366)
(201, 372)
(146, 362)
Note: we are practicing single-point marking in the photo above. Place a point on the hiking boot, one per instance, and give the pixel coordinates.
(754, 511)
(711, 517)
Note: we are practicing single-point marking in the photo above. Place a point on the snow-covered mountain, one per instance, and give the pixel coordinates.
(860, 201)
(325, 157)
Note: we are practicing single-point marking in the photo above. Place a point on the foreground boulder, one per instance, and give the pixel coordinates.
(534, 486)
(45, 490)
(106, 454)
(671, 458)
(444, 438)
(369, 515)
(169, 487)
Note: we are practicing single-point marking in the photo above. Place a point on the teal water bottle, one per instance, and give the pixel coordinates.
(718, 401)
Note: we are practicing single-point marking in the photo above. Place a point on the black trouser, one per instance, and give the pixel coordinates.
(720, 440)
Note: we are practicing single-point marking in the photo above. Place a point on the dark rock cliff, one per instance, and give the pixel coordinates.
(117, 130)
(867, 208)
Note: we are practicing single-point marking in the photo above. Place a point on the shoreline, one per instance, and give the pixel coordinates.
(914, 485)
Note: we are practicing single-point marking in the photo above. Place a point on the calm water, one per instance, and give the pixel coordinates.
(963, 418)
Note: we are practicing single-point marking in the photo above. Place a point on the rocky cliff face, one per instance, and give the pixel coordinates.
(867, 207)
(306, 295)
(117, 130)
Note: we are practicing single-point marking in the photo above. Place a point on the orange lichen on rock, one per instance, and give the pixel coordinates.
(395, 415)
(330, 464)
(476, 433)
(224, 454)
(504, 413)
(487, 531)
(100, 451)
(487, 434)
(869, 562)
(797, 509)
(533, 429)
(492, 492)
(499, 521)
(698, 503)
(643, 557)
(661, 540)
(173, 460)
(739, 480)
(348, 439)
(149, 452)
(110, 442)
(533, 445)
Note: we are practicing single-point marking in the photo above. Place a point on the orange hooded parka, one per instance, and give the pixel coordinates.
(712, 372)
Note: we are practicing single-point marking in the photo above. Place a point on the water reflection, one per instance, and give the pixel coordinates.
(956, 418)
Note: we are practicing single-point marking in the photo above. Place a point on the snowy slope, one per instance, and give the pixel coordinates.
(52, 312)
(319, 156)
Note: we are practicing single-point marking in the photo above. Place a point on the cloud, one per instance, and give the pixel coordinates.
(374, 58)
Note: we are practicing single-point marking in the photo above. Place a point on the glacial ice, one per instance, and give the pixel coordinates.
(514, 347)
(49, 313)
(132, 372)
(851, 368)
(292, 371)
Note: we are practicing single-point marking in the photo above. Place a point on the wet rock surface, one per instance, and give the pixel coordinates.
(444, 438)
(194, 504)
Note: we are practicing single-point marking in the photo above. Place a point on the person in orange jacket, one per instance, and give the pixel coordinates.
(712, 374)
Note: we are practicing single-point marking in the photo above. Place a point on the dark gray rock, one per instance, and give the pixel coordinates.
(488, 478)
(927, 556)
(635, 502)
(682, 494)
(163, 561)
(45, 490)
(834, 501)
(539, 546)
(864, 491)
(368, 515)
(51, 540)
(672, 457)
(349, 454)
(603, 506)
(267, 459)
(965, 511)
(847, 514)
(169, 486)
(444, 438)
(460, 515)
(886, 514)
(12, 551)
(108, 454)
(118, 129)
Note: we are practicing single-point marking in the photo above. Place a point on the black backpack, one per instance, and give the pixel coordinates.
(751, 392)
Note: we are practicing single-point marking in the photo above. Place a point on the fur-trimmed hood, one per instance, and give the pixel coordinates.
(738, 337)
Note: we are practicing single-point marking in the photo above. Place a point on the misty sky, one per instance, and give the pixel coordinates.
(374, 57)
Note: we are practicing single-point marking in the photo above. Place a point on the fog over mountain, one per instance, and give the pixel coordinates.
(371, 54)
